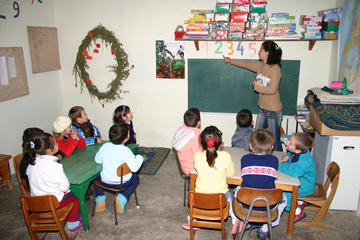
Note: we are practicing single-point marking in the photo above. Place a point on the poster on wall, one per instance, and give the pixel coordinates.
(170, 61)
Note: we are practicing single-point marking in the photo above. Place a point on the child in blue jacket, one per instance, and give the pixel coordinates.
(299, 163)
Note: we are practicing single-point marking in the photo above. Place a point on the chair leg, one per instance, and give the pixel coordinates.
(136, 200)
(74, 236)
(185, 190)
(64, 235)
(116, 221)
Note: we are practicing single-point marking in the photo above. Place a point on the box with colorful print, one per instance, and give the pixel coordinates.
(242, 1)
(222, 8)
(220, 34)
(239, 17)
(237, 27)
(236, 7)
(221, 17)
(235, 36)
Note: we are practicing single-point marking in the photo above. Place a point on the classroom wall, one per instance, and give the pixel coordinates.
(158, 104)
(43, 103)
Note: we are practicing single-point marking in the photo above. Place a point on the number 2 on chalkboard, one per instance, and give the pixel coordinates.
(218, 49)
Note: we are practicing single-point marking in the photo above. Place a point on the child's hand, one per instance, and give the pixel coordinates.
(59, 156)
(226, 59)
(98, 140)
(284, 159)
(135, 135)
(74, 135)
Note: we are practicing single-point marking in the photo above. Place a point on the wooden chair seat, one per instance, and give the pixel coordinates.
(41, 214)
(320, 201)
(208, 211)
(122, 170)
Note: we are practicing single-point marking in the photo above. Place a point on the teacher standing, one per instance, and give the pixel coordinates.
(270, 107)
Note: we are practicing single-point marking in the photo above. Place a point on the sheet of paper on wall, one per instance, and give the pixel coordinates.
(3, 72)
(12, 68)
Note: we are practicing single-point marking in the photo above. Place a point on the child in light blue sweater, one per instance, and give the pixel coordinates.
(111, 155)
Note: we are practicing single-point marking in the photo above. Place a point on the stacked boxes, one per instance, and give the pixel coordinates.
(281, 25)
(331, 22)
(220, 26)
(257, 21)
(239, 17)
(311, 26)
(199, 25)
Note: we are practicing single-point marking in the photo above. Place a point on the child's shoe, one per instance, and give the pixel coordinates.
(100, 203)
(72, 226)
(186, 226)
(121, 200)
(235, 226)
(300, 216)
(262, 235)
(303, 205)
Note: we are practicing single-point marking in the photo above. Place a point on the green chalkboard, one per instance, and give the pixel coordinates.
(214, 86)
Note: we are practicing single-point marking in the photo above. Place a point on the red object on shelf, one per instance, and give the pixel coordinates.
(179, 34)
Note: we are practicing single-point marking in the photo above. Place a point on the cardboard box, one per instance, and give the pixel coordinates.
(322, 129)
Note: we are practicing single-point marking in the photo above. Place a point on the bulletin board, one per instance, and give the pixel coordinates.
(44, 49)
(214, 86)
(13, 80)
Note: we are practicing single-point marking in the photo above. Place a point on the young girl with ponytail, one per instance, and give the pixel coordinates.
(47, 177)
(213, 166)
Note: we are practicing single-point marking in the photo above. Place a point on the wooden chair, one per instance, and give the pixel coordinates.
(256, 198)
(320, 201)
(183, 176)
(41, 214)
(208, 211)
(122, 170)
(22, 183)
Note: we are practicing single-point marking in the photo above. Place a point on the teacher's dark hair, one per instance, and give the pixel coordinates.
(275, 52)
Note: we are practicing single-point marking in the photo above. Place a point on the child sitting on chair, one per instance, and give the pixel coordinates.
(123, 113)
(47, 177)
(213, 166)
(261, 145)
(66, 137)
(186, 140)
(298, 162)
(111, 155)
(241, 137)
(83, 126)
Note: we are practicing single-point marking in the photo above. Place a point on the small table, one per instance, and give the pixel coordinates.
(80, 168)
(283, 182)
(5, 170)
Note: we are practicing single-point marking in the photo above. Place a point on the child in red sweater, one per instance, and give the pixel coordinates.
(66, 137)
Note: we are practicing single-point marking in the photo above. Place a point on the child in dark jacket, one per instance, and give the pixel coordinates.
(241, 137)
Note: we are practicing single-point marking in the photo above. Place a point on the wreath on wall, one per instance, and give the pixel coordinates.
(121, 69)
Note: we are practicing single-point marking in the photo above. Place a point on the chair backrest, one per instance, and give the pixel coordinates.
(45, 203)
(22, 183)
(207, 201)
(333, 174)
(247, 195)
(123, 169)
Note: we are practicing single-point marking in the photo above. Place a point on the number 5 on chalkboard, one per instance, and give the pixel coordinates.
(252, 50)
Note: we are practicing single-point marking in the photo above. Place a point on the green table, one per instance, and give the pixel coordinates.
(81, 168)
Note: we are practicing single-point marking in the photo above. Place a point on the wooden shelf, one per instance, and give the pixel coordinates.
(311, 41)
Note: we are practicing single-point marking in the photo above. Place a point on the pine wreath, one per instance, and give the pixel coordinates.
(122, 69)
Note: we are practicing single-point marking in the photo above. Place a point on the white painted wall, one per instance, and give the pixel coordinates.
(40, 107)
(158, 104)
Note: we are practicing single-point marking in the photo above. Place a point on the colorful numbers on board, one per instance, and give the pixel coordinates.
(228, 48)
(16, 9)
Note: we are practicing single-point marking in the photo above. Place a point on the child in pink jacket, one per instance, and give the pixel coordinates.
(186, 140)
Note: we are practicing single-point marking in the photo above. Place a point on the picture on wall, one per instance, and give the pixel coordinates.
(170, 61)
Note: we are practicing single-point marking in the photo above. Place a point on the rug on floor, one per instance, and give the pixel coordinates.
(153, 158)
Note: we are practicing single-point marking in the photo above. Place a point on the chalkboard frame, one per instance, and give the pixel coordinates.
(214, 86)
